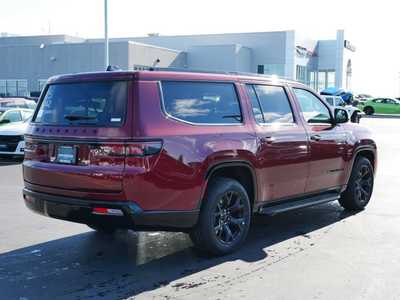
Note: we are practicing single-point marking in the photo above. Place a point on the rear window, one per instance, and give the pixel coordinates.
(89, 103)
(202, 102)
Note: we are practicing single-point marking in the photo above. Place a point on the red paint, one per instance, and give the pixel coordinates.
(175, 178)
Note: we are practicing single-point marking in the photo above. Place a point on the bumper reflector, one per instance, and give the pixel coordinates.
(107, 211)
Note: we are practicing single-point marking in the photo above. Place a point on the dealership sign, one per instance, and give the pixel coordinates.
(349, 46)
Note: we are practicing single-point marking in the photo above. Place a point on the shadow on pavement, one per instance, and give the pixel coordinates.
(90, 265)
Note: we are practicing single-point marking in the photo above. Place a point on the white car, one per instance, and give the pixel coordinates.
(12, 141)
(337, 102)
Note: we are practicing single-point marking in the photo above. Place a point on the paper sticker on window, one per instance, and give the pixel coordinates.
(115, 120)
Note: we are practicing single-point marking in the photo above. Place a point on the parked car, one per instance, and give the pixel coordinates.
(8, 103)
(347, 96)
(337, 102)
(14, 115)
(12, 141)
(193, 152)
(380, 106)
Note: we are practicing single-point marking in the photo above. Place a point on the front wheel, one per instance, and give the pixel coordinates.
(360, 186)
(224, 219)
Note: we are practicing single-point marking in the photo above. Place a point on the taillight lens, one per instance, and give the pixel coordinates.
(135, 153)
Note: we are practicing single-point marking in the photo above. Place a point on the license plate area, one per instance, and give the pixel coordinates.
(66, 155)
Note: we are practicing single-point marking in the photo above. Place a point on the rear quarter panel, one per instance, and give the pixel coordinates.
(175, 181)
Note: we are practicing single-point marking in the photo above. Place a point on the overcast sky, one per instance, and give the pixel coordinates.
(372, 26)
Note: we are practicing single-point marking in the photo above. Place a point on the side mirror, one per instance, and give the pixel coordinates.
(341, 116)
(5, 121)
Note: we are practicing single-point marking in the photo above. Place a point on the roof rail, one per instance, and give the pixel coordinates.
(219, 72)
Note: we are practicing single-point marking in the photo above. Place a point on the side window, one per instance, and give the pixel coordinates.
(202, 102)
(273, 104)
(13, 116)
(255, 104)
(312, 108)
(26, 114)
(330, 100)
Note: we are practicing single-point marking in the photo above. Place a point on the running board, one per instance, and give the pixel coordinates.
(273, 209)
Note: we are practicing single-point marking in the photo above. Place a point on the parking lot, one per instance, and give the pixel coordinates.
(315, 253)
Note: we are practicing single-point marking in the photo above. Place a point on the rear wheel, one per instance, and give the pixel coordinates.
(224, 218)
(369, 110)
(360, 186)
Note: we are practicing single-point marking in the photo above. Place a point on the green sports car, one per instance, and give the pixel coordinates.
(380, 106)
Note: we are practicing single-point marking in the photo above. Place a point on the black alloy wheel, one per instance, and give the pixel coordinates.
(363, 185)
(229, 217)
(224, 219)
(360, 185)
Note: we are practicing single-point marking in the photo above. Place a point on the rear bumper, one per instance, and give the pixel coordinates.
(81, 211)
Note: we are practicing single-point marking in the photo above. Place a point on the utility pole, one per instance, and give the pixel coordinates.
(106, 48)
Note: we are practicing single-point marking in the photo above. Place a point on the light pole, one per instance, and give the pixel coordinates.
(106, 55)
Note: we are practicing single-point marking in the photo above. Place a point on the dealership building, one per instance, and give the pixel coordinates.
(26, 62)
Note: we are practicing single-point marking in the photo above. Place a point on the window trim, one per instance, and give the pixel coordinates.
(301, 112)
(169, 116)
(292, 124)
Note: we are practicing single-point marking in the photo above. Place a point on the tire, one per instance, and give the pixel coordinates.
(355, 117)
(360, 186)
(369, 110)
(224, 219)
(104, 229)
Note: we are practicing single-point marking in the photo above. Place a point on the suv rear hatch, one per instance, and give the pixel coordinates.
(77, 137)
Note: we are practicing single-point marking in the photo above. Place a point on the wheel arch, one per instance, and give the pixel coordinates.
(368, 152)
(242, 171)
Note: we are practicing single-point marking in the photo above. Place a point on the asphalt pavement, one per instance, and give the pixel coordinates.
(321, 252)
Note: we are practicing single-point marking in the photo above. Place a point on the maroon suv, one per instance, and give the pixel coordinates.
(192, 152)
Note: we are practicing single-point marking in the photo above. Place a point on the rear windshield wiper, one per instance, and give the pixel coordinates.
(78, 117)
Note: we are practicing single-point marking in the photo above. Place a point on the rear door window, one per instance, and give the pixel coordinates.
(202, 102)
(270, 104)
(87, 103)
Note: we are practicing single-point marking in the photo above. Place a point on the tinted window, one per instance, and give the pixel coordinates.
(274, 104)
(202, 102)
(312, 108)
(89, 103)
(255, 104)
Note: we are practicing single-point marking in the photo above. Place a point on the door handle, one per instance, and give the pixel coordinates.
(315, 137)
(267, 140)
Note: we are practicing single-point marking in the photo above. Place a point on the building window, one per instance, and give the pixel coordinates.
(301, 74)
(330, 79)
(271, 69)
(13, 88)
(313, 80)
(41, 84)
(321, 80)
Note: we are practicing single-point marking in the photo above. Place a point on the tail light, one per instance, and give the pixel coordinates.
(139, 154)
